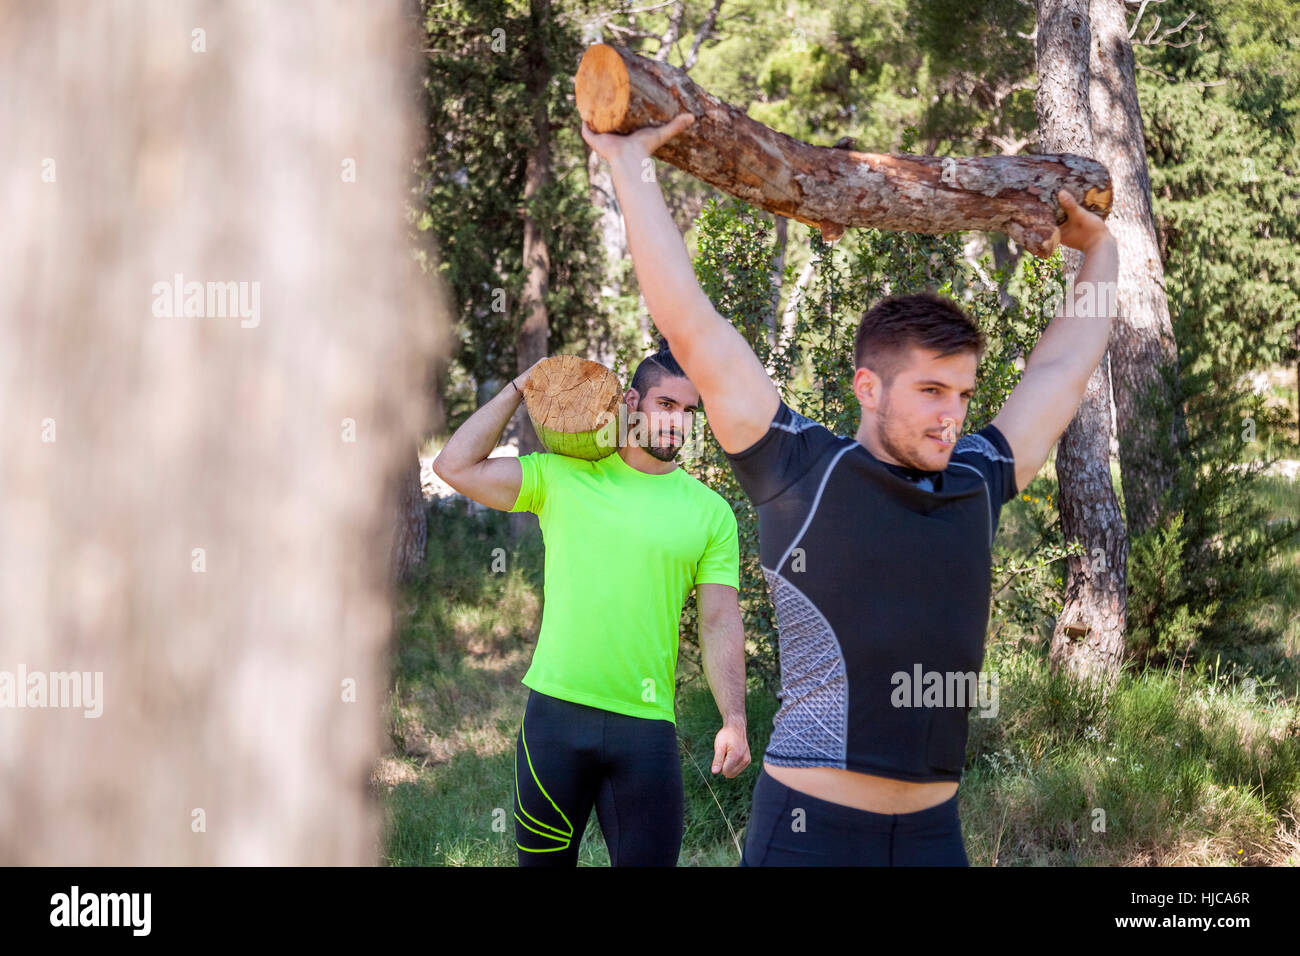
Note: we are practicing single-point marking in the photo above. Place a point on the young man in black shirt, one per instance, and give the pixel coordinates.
(876, 548)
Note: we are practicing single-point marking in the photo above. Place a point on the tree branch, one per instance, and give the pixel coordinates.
(674, 31)
(1162, 39)
(705, 31)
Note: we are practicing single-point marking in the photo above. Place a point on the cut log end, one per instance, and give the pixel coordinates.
(573, 404)
(1098, 201)
(602, 88)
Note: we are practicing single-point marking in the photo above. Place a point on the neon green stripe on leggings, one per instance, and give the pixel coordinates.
(565, 837)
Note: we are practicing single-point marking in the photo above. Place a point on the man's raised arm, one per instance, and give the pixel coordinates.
(463, 462)
(1069, 350)
(738, 395)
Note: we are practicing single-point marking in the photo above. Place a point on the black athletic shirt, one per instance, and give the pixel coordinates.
(873, 569)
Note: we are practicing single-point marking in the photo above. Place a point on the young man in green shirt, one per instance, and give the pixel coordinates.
(627, 537)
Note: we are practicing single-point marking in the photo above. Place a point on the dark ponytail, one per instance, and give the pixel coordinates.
(654, 367)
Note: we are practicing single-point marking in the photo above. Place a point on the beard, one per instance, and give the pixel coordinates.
(893, 443)
(663, 452)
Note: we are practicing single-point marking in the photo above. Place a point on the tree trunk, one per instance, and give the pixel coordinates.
(412, 531)
(197, 507)
(1088, 639)
(613, 239)
(1004, 258)
(827, 187)
(534, 332)
(1142, 343)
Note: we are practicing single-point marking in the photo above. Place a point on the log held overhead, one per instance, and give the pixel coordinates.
(832, 189)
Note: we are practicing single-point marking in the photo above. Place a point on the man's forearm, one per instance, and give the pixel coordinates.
(475, 440)
(723, 644)
(663, 268)
(1077, 337)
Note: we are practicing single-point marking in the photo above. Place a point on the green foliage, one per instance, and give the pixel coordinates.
(1164, 612)
(981, 68)
(1029, 567)
(820, 71)
(1194, 578)
(481, 80)
(1220, 121)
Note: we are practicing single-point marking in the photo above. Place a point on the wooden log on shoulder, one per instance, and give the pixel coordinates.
(575, 406)
(619, 91)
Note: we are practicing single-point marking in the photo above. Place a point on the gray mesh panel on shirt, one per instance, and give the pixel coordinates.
(981, 445)
(810, 729)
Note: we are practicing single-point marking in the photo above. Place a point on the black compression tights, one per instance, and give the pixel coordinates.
(790, 828)
(569, 757)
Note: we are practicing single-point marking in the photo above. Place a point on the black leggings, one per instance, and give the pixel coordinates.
(569, 757)
(790, 828)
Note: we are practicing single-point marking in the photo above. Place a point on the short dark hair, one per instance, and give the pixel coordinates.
(655, 367)
(922, 319)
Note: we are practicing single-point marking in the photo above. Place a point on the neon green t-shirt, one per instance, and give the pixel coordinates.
(623, 550)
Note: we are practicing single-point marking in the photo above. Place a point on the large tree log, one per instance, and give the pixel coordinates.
(574, 405)
(621, 92)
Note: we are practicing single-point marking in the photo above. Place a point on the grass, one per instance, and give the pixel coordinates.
(1168, 768)
(1185, 766)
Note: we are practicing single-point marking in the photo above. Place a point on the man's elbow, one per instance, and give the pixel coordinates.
(721, 625)
(445, 469)
(682, 318)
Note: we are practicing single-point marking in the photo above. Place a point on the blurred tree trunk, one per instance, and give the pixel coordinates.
(1089, 635)
(1142, 340)
(198, 506)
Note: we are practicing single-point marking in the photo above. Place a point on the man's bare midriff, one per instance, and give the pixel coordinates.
(863, 791)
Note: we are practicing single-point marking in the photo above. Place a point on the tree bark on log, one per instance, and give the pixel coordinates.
(1142, 345)
(197, 507)
(832, 189)
(1088, 639)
